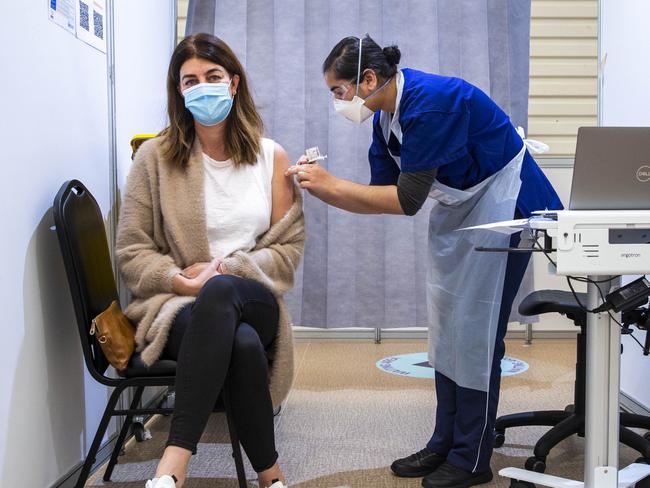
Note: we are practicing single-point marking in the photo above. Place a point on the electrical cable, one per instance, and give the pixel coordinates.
(637, 340)
(583, 279)
(587, 280)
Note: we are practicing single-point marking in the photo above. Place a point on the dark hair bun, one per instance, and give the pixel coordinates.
(393, 55)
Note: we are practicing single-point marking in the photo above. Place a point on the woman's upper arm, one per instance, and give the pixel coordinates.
(281, 185)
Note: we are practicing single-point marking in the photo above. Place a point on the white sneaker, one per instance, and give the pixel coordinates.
(278, 484)
(165, 481)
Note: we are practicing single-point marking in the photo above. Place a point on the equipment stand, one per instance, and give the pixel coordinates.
(602, 408)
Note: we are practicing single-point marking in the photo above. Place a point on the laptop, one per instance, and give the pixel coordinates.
(612, 169)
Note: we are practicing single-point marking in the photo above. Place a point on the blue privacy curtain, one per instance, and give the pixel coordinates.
(359, 270)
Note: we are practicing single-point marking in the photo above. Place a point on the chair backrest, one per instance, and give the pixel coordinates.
(137, 140)
(82, 237)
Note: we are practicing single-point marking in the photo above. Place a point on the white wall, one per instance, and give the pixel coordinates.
(142, 57)
(141, 60)
(625, 40)
(54, 127)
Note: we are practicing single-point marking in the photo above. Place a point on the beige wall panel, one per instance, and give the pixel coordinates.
(571, 9)
(550, 28)
(563, 71)
(558, 126)
(563, 87)
(563, 67)
(561, 146)
(562, 48)
(561, 107)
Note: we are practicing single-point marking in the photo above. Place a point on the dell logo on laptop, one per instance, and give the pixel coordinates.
(643, 174)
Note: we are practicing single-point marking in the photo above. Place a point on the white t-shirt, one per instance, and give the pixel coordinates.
(238, 201)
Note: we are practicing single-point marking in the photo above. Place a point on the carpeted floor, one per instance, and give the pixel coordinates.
(345, 421)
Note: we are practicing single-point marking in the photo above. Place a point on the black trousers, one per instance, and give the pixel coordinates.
(223, 336)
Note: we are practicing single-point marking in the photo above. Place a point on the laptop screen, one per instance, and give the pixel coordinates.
(612, 169)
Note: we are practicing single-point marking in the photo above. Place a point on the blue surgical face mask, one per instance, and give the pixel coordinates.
(210, 103)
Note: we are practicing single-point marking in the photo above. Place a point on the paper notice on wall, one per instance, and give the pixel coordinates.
(62, 12)
(91, 23)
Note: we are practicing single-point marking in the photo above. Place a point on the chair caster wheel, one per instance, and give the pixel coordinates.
(521, 484)
(499, 439)
(536, 465)
(570, 408)
(646, 436)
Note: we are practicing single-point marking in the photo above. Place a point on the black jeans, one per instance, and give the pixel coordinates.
(223, 335)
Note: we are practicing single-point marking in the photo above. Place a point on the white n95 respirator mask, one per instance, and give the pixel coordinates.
(354, 110)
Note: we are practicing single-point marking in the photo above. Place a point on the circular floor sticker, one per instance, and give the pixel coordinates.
(417, 365)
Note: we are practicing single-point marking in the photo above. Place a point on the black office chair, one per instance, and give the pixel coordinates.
(82, 237)
(571, 420)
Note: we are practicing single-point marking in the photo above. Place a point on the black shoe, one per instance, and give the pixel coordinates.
(419, 464)
(449, 476)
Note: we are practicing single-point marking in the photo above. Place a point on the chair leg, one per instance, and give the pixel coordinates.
(635, 441)
(568, 427)
(234, 440)
(120, 438)
(635, 421)
(524, 419)
(99, 435)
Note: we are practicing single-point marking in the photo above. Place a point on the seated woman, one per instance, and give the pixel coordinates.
(210, 235)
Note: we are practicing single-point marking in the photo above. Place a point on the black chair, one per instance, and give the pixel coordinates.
(571, 420)
(82, 237)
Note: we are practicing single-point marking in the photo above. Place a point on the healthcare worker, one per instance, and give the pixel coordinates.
(443, 138)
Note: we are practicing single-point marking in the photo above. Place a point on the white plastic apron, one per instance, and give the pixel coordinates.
(464, 287)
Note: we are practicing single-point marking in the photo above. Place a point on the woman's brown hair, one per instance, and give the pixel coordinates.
(244, 127)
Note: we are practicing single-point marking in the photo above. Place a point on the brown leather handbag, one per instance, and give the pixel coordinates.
(115, 334)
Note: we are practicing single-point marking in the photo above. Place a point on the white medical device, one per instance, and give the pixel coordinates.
(313, 154)
(597, 242)
(610, 173)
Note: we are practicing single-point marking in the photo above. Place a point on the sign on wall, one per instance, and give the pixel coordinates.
(62, 12)
(84, 18)
(91, 23)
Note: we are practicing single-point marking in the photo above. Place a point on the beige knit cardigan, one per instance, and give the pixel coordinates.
(162, 230)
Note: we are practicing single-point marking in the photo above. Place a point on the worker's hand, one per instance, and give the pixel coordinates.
(303, 160)
(313, 177)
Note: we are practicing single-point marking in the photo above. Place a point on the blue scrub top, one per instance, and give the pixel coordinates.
(453, 126)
